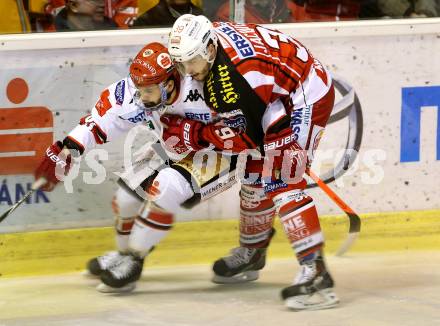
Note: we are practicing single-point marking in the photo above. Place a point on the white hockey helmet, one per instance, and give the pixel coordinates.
(190, 37)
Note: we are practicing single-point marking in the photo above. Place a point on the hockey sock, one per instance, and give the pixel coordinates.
(301, 225)
(150, 227)
(125, 207)
(256, 217)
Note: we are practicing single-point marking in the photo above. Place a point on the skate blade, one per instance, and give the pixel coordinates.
(244, 277)
(104, 288)
(324, 299)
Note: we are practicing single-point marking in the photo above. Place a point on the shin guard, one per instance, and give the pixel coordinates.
(256, 217)
(300, 222)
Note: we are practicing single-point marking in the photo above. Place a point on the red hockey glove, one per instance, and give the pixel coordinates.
(195, 135)
(224, 137)
(187, 131)
(48, 166)
(285, 161)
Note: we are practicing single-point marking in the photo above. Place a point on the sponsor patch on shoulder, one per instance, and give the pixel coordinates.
(240, 43)
(120, 92)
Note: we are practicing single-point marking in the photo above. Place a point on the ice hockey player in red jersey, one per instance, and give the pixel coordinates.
(273, 95)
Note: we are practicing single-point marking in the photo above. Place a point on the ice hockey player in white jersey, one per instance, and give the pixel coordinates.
(152, 87)
(131, 101)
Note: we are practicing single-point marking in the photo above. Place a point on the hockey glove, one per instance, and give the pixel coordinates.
(187, 132)
(195, 135)
(224, 137)
(285, 161)
(50, 166)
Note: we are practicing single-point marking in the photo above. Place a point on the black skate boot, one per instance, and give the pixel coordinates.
(122, 277)
(312, 288)
(241, 266)
(97, 265)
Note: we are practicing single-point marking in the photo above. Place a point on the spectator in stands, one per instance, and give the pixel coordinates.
(82, 15)
(210, 8)
(53, 7)
(262, 11)
(166, 12)
(399, 8)
(286, 11)
(122, 12)
(408, 8)
(370, 9)
(329, 10)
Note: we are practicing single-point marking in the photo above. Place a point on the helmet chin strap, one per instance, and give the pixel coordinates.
(163, 93)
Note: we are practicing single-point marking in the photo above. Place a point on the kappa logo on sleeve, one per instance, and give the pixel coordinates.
(25, 132)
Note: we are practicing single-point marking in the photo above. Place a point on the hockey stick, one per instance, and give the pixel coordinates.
(35, 186)
(355, 221)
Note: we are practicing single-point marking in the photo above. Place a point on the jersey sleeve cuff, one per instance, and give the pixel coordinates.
(72, 143)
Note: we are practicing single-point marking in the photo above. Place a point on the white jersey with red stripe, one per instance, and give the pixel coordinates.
(274, 64)
(117, 111)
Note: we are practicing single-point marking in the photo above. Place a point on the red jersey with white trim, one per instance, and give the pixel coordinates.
(118, 110)
(258, 78)
(275, 65)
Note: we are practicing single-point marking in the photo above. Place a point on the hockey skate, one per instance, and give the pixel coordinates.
(241, 266)
(97, 265)
(122, 276)
(312, 288)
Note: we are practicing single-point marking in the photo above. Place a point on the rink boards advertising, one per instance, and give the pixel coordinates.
(383, 137)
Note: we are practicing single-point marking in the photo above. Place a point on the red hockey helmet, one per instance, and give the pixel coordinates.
(152, 65)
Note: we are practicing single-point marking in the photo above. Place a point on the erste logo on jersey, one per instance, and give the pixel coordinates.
(199, 116)
(120, 92)
(134, 116)
(137, 118)
(243, 46)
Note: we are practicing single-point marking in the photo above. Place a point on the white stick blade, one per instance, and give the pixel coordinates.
(346, 245)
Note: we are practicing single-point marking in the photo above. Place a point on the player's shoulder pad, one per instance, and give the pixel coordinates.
(237, 37)
(114, 96)
(120, 91)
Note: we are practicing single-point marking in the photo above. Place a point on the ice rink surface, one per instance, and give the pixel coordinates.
(374, 289)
